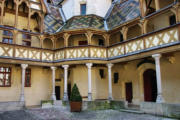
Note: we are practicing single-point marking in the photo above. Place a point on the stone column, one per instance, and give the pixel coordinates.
(65, 98)
(160, 98)
(89, 65)
(110, 81)
(53, 96)
(23, 66)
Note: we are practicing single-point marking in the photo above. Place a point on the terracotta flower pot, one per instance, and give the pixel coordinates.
(76, 106)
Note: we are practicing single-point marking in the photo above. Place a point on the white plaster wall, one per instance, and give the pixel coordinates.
(68, 8)
(97, 7)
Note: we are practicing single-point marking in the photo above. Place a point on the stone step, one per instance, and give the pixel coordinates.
(58, 103)
(132, 111)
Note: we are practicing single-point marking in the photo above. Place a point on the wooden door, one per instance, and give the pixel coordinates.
(129, 92)
(150, 85)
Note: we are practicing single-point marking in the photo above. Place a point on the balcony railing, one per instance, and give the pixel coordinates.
(158, 39)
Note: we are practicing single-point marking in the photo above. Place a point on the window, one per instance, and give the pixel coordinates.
(172, 20)
(5, 76)
(101, 42)
(83, 9)
(7, 37)
(116, 78)
(26, 40)
(28, 78)
(83, 42)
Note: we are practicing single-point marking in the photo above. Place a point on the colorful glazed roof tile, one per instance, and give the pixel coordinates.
(122, 11)
(86, 21)
(53, 21)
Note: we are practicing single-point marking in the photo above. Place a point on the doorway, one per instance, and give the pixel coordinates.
(150, 85)
(58, 92)
(129, 92)
(69, 90)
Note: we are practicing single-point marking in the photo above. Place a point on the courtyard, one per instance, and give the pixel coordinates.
(64, 114)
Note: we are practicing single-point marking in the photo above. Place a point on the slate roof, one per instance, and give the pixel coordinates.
(85, 21)
(122, 11)
(53, 21)
(56, 2)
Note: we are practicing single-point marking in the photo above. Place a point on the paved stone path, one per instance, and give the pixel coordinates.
(64, 114)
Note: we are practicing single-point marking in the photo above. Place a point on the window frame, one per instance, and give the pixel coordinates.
(81, 8)
(26, 39)
(5, 75)
(8, 36)
(28, 71)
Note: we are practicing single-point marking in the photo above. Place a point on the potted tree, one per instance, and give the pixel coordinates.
(75, 100)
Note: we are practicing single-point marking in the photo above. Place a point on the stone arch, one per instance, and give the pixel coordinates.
(141, 69)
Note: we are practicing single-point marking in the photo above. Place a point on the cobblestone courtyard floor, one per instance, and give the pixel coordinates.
(63, 114)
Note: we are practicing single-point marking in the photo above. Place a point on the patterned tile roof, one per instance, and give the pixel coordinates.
(86, 21)
(53, 21)
(122, 11)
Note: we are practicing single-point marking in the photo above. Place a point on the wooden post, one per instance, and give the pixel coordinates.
(2, 11)
(66, 37)
(16, 15)
(89, 35)
(124, 32)
(157, 5)
(29, 18)
(42, 23)
(143, 8)
(107, 39)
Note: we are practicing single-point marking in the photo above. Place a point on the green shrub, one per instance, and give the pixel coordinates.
(75, 95)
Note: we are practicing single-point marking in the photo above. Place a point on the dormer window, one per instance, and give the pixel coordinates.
(83, 9)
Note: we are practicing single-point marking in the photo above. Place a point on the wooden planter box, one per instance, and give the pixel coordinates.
(76, 106)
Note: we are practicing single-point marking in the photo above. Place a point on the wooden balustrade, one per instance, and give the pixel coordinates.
(150, 41)
(155, 40)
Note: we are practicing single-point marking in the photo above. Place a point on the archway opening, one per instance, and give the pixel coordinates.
(77, 40)
(116, 38)
(9, 13)
(134, 31)
(47, 43)
(150, 85)
(35, 22)
(23, 12)
(98, 40)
